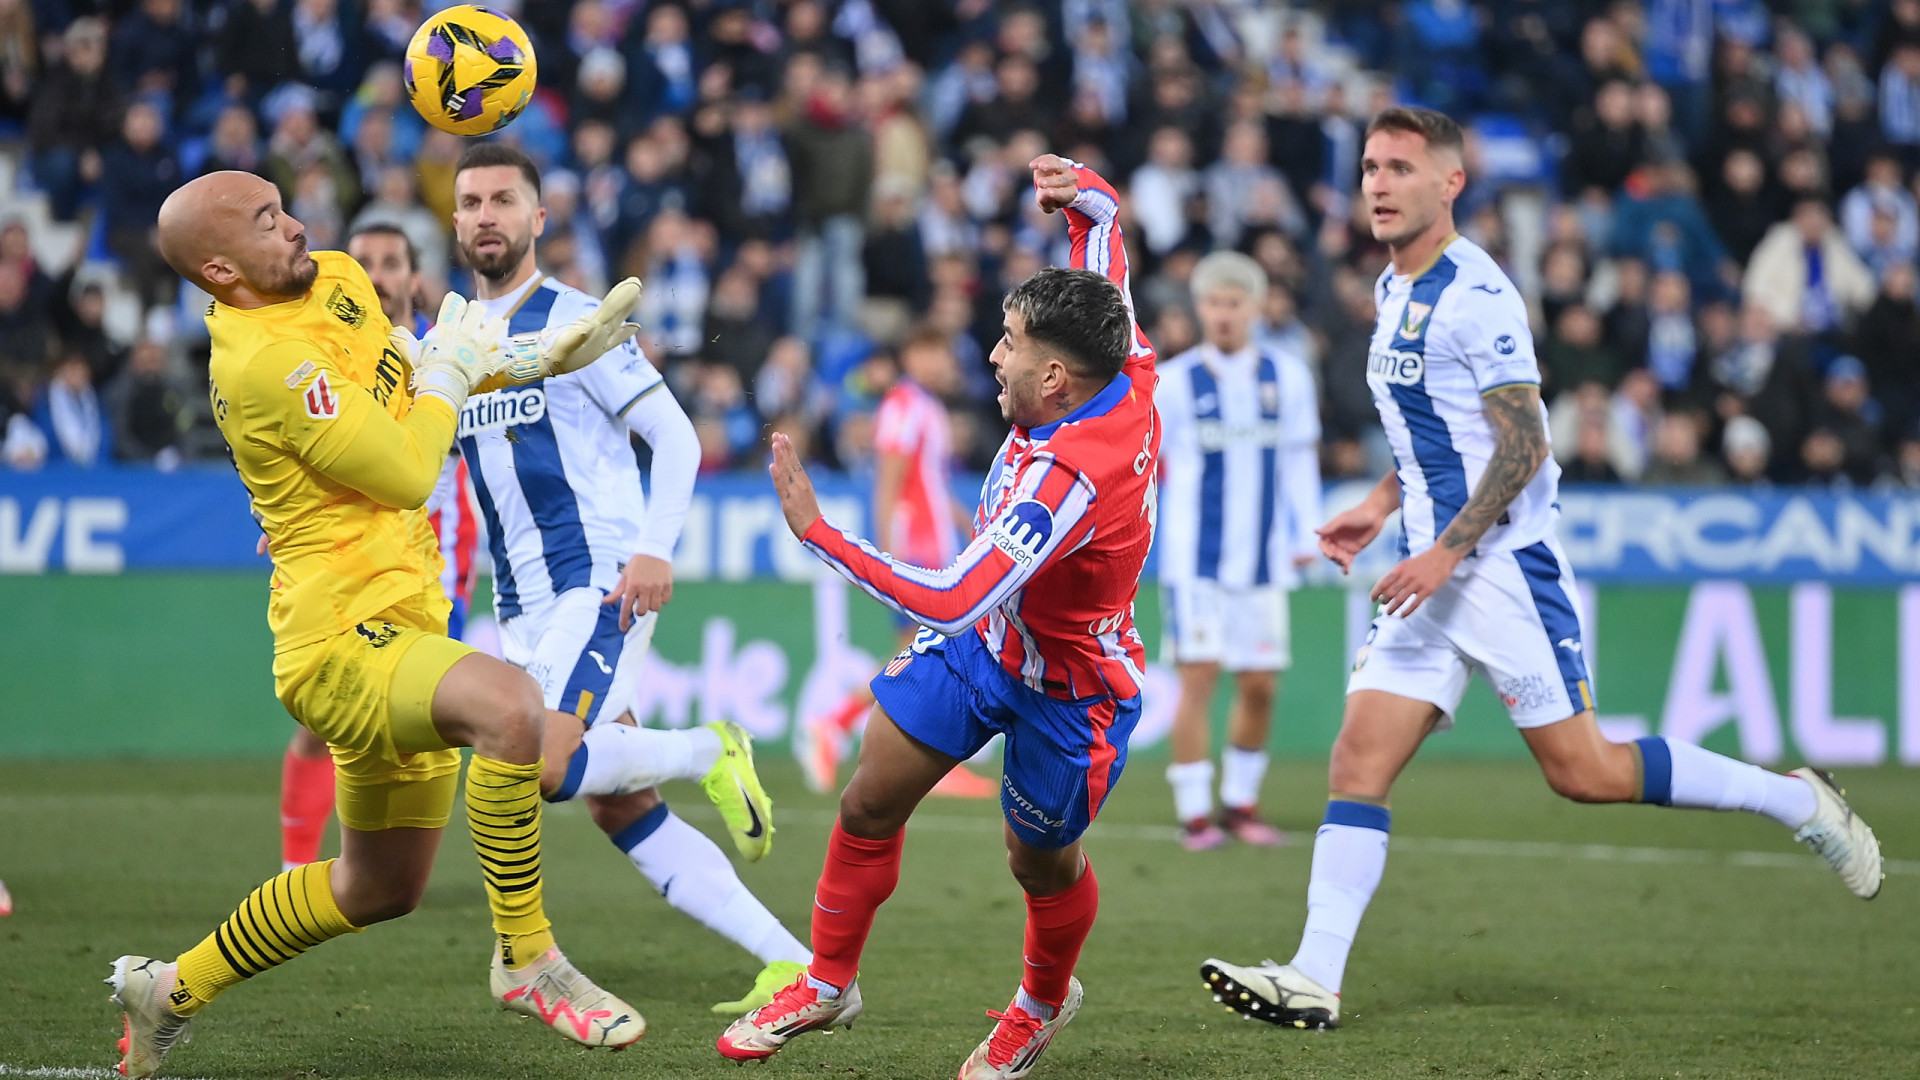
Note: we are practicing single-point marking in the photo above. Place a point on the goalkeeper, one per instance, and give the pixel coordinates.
(339, 425)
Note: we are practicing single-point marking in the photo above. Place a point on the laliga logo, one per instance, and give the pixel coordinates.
(1396, 367)
(1023, 531)
(502, 409)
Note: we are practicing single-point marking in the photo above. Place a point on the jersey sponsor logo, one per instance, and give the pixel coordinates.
(502, 409)
(1218, 434)
(1526, 692)
(1019, 800)
(377, 638)
(1504, 345)
(299, 375)
(346, 308)
(386, 375)
(1107, 625)
(1023, 531)
(1396, 366)
(322, 402)
(1415, 320)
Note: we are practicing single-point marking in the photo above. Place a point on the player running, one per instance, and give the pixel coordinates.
(306, 772)
(919, 522)
(1484, 584)
(1029, 633)
(582, 565)
(339, 448)
(1240, 500)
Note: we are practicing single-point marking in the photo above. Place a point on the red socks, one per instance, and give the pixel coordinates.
(1056, 928)
(306, 801)
(858, 877)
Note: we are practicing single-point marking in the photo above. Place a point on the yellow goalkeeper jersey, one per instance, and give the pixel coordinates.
(334, 449)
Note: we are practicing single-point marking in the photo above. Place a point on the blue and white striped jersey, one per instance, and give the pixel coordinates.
(552, 465)
(1240, 482)
(1443, 338)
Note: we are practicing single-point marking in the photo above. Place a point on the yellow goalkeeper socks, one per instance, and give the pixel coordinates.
(503, 812)
(277, 922)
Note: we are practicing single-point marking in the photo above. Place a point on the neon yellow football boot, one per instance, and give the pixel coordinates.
(735, 789)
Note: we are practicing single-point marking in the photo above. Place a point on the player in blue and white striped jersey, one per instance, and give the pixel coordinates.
(1239, 500)
(582, 565)
(1484, 585)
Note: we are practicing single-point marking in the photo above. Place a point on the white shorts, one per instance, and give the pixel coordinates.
(1514, 615)
(1239, 629)
(574, 649)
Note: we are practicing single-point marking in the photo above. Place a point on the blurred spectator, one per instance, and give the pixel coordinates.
(306, 161)
(1881, 191)
(965, 82)
(153, 52)
(734, 332)
(255, 47)
(1604, 149)
(1159, 190)
(24, 331)
(1660, 222)
(1766, 376)
(1906, 462)
(1244, 191)
(1887, 341)
(1298, 144)
(137, 175)
(1900, 102)
(235, 143)
(81, 325)
(674, 303)
(1676, 454)
(1671, 340)
(894, 262)
(785, 388)
(1746, 205)
(75, 116)
(1805, 275)
(1799, 79)
(832, 161)
(396, 203)
(69, 414)
(328, 60)
(19, 63)
(1015, 106)
(752, 193)
(149, 408)
(1747, 449)
(1848, 414)
(1574, 354)
(1590, 464)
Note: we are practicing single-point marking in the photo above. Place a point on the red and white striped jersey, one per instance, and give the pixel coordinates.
(913, 423)
(1065, 521)
(455, 517)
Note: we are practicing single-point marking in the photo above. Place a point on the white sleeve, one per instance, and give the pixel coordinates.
(1491, 332)
(656, 417)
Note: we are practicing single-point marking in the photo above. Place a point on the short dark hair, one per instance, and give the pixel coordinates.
(1439, 129)
(1080, 314)
(384, 228)
(488, 154)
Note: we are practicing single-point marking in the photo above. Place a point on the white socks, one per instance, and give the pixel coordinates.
(1241, 772)
(615, 759)
(1676, 773)
(695, 877)
(1033, 1005)
(1349, 857)
(1192, 790)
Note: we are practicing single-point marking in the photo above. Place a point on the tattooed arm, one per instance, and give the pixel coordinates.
(1520, 448)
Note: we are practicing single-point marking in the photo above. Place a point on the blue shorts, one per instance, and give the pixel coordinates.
(1062, 757)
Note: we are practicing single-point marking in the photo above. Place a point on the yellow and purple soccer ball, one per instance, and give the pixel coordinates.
(469, 70)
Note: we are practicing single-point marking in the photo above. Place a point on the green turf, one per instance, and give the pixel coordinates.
(1486, 964)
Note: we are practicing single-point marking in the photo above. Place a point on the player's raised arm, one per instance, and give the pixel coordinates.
(1046, 517)
(1092, 207)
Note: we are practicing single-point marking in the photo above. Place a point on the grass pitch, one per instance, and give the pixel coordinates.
(1500, 944)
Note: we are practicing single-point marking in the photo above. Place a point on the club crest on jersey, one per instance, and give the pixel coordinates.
(1415, 320)
(346, 308)
(1023, 531)
(502, 409)
(322, 402)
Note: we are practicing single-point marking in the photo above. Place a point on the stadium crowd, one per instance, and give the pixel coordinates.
(1711, 204)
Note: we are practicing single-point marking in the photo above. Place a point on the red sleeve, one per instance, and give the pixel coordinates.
(1093, 228)
(1047, 516)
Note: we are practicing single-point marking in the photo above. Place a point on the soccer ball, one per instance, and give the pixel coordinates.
(469, 70)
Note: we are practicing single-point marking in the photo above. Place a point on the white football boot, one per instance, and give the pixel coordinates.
(797, 1009)
(554, 992)
(1839, 836)
(141, 987)
(1018, 1040)
(1278, 994)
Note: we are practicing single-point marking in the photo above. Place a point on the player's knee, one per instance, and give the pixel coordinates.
(1257, 691)
(1042, 872)
(869, 817)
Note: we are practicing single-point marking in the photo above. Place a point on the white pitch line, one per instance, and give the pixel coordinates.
(1433, 845)
(68, 1074)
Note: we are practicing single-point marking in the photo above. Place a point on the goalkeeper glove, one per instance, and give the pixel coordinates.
(560, 349)
(462, 353)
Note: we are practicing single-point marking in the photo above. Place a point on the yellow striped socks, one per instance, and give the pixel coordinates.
(277, 922)
(503, 811)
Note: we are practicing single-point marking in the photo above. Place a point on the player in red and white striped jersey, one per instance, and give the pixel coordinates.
(1029, 633)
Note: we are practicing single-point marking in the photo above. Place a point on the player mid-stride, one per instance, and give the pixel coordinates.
(1029, 632)
(1483, 585)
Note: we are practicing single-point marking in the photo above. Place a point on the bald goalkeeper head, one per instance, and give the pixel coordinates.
(227, 233)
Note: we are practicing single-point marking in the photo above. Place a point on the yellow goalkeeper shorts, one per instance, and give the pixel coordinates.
(369, 693)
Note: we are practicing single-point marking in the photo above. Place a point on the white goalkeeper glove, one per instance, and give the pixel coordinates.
(560, 349)
(462, 353)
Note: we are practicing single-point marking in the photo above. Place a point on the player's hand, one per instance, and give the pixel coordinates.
(646, 584)
(577, 344)
(1055, 184)
(797, 500)
(1408, 585)
(1342, 537)
(260, 545)
(463, 351)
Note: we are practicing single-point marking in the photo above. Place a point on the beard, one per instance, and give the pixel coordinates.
(289, 279)
(502, 262)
